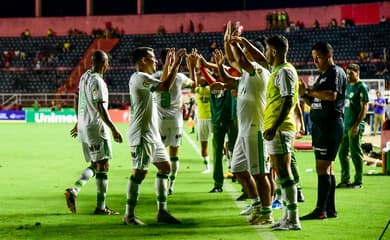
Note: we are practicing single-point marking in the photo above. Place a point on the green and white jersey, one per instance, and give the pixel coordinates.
(355, 95)
(144, 119)
(251, 100)
(283, 82)
(92, 89)
(169, 103)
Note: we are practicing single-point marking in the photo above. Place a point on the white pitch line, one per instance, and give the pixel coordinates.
(264, 233)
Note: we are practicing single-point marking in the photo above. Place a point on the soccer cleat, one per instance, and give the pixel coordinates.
(344, 185)
(105, 211)
(228, 175)
(262, 219)
(300, 196)
(207, 170)
(247, 211)
(279, 222)
(331, 214)
(164, 216)
(242, 197)
(170, 191)
(287, 225)
(356, 185)
(315, 215)
(277, 205)
(70, 200)
(216, 190)
(126, 220)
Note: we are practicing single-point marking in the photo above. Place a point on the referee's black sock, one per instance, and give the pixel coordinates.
(331, 206)
(324, 185)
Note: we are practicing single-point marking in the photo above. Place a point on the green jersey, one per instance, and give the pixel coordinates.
(355, 95)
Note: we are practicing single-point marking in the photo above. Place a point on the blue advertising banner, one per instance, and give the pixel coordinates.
(12, 116)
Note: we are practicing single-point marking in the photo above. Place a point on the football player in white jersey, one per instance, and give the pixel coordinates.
(143, 133)
(250, 159)
(169, 105)
(93, 130)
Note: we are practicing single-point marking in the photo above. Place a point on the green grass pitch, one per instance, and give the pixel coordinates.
(38, 161)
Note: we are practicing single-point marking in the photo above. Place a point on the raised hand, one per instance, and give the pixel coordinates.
(191, 59)
(219, 57)
(179, 56)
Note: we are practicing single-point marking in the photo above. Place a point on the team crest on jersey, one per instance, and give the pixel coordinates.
(146, 84)
(94, 94)
(322, 80)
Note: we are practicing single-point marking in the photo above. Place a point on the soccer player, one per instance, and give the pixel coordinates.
(279, 125)
(224, 122)
(202, 99)
(143, 134)
(249, 161)
(356, 106)
(92, 128)
(326, 98)
(169, 105)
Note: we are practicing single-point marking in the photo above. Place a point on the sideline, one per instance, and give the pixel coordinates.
(263, 231)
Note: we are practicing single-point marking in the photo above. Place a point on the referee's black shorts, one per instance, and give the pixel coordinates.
(326, 138)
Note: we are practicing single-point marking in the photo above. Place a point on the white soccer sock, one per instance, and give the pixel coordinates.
(101, 187)
(291, 202)
(161, 185)
(133, 190)
(174, 169)
(85, 176)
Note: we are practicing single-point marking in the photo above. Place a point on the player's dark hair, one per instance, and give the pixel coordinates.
(139, 53)
(98, 58)
(279, 42)
(323, 47)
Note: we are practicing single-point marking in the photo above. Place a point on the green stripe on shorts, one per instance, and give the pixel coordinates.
(260, 145)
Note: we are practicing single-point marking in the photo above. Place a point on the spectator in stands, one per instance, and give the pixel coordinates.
(181, 28)
(55, 105)
(213, 46)
(268, 19)
(192, 27)
(161, 30)
(200, 27)
(316, 24)
(51, 32)
(26, 34)
(383, 20)
(36, 105)
(333, 23)
(8, 55)
(379, 106)
(66, 46)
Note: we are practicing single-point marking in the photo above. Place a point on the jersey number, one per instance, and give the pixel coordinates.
(165, 99)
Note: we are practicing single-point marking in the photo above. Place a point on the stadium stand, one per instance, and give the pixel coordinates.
(361, 44)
